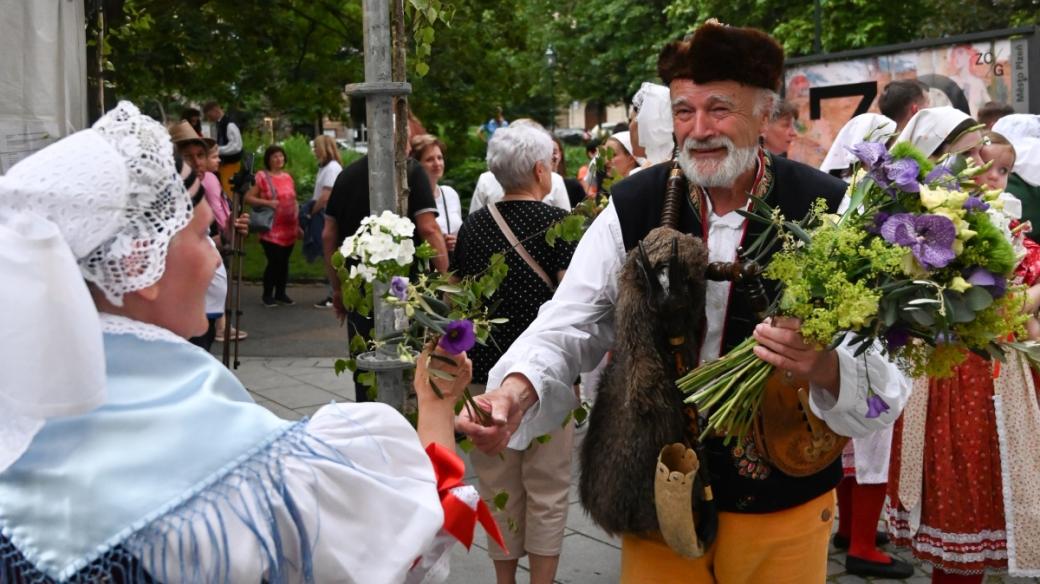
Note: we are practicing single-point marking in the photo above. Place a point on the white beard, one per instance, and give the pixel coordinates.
(716, 174)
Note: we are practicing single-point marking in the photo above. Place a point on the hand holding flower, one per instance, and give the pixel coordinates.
(452, 373)
(437, 414)
(780, 343)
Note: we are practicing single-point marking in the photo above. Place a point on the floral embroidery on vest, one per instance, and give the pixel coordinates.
(749, 461)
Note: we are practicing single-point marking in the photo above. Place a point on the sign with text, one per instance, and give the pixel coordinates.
(963, 75)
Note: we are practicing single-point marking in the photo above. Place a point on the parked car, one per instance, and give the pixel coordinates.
(572, 136)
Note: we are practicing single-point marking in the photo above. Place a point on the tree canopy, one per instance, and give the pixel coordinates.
(293, 57)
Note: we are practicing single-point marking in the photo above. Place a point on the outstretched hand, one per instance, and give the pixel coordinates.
(505, 406)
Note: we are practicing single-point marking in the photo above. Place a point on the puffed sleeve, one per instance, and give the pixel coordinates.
(356, 502)
(871, 396)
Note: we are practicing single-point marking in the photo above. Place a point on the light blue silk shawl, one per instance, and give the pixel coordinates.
(177, 435)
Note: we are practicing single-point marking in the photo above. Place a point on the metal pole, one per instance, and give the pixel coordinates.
(379, 90)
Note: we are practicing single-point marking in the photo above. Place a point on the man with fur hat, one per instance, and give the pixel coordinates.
(772, 527)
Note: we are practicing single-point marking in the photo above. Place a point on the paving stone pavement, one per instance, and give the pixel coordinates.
(291, 385)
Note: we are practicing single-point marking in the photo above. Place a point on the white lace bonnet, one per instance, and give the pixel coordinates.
(100, 205)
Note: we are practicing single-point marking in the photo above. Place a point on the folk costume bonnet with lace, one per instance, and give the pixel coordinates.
(128, 453)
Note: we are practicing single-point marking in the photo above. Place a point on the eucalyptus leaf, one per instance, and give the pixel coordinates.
(978, 298)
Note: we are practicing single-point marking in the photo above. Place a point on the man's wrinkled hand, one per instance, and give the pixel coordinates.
(780, 343)
(503, 407)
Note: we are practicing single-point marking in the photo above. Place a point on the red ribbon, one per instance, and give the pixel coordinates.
(459, 519)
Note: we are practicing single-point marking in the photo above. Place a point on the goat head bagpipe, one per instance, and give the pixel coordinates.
(638, 411)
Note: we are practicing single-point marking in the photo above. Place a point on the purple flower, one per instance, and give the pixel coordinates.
(995, 284)
(903, 173)
(399, 287)
(871, 154)
(929, 237)
(942, 176)
(975, 203)
(458, 337)
(896, 338)
(875, 406)
(879, 220)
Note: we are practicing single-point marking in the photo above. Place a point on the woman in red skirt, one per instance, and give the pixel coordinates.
(962, 462)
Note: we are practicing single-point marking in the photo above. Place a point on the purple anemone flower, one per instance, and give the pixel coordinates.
(896, 338)
(902, 174)
(929, 237)
(458, 337)
(975, 203)
(871, 154)
(399, 287)
(875, 406)
(995, 284)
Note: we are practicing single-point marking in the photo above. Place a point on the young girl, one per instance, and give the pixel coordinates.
(957, 449)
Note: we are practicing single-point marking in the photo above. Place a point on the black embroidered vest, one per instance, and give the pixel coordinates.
(742, 481)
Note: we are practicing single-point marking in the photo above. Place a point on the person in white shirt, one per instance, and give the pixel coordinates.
(488, 189)
(329, 167)
(771, 525)
(429, 151)
(229, 138)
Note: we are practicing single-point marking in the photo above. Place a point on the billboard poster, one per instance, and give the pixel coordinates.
(963, 75)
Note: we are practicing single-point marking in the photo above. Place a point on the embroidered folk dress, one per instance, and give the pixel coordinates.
(965, 472)
(180, 477)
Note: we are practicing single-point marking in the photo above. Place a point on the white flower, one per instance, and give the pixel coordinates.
(347, 249)
(405, 252)
(367, 272)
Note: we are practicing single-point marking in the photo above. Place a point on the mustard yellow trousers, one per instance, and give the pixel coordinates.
(785, 547)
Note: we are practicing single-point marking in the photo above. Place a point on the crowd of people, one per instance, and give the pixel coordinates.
(86, 452)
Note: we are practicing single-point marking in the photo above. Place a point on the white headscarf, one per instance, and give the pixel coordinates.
(868, 127)
(1023, 131)
(655, 121)
(100, 205)
(930, 127)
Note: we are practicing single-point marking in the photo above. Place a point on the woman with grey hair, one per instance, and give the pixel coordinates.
(537, 479)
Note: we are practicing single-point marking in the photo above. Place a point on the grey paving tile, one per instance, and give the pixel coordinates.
(298, 396)
(835, 568)
(342, 385)
(281, 411)
(587, 561)
(259, 378)
(579, 522)
(309, 410)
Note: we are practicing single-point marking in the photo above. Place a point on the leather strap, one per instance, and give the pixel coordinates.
(519, 247)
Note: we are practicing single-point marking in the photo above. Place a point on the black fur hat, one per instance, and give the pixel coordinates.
(717, 52)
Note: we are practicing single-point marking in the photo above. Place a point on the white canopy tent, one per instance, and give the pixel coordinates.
(43, 75)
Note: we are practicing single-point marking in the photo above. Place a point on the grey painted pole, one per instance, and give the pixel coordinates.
(379, 90)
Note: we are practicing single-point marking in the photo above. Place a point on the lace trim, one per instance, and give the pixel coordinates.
(115, 324)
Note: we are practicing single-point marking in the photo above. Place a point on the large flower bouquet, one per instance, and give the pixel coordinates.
(919, 267)
(431, 310)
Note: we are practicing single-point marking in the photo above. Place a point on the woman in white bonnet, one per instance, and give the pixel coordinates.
(128, 454)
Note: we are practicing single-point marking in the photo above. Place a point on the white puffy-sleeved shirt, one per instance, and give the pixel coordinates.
(488, 190)
(575, 329)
